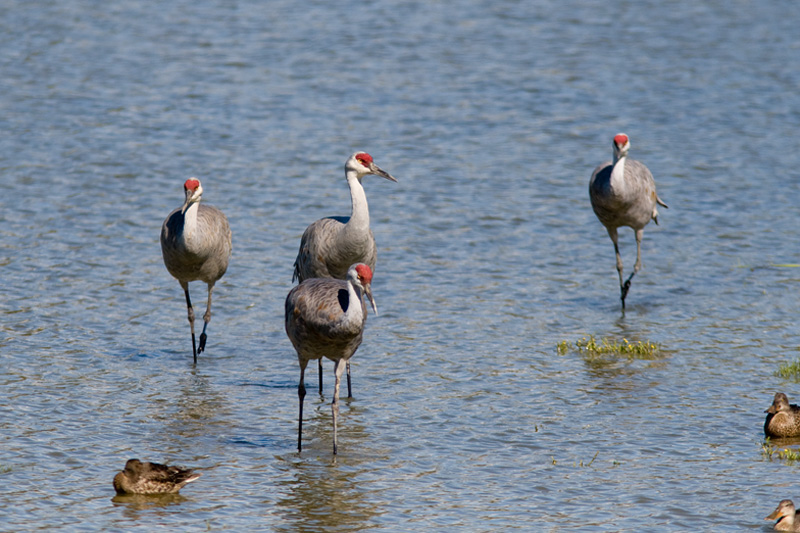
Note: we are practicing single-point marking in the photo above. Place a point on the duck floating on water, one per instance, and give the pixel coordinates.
(783, 419)
(785, 513)
(151, 478)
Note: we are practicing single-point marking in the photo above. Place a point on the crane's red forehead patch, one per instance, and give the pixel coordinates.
(192, 184)
(621, 139)
(364, 272)
(365, 158)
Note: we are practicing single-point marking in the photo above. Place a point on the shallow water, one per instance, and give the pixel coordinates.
(465, 417)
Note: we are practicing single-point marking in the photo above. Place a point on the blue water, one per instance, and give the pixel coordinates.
(465, 417)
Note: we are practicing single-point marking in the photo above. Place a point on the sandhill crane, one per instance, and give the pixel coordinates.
(326, 317)
(623, 193)
(330, 245)
(196, 245)
(151, 478)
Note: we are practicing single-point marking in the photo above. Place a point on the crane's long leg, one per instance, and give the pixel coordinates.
(349, 384)
(623, 286)
(338, 369)
(301, 394)
(349, 388)
(206, 320)
(636, 267)
(191, 318)
(612, 232)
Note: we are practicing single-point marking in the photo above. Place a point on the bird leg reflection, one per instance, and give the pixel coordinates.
(338, 369)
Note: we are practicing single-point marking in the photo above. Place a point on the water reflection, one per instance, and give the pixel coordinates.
(134, 503)
(326, 497)
(194, 409)
(322, 491)
(198, 404)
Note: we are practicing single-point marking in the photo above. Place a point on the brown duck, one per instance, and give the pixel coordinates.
(783, 419)
(151, 478)
(785, 513)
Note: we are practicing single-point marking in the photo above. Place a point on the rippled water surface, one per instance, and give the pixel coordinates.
(465, 416)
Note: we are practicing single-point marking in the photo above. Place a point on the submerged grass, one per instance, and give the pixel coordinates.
(591, 346)
(789, 370)
(578, 464)
(770, 451)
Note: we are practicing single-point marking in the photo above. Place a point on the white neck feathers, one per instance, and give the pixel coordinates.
(190, 221)
(354, 313)
(618, 173)
(359, 217)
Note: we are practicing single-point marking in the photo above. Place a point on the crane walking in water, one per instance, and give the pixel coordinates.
(326, 317)
(623, 193)
(196, 245)
(330, 245)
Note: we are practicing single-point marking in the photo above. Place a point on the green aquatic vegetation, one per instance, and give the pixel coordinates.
(789, 370)
(591, 346)
(770, 451)
(577, 464)
(590, 462)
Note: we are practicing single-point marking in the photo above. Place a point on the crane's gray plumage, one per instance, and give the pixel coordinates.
(327, 244)
(196, 246)
(331, 245)
(325, 318)
(151, 478)
(623, 193)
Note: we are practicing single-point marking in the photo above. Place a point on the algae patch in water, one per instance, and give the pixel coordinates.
(591, 346)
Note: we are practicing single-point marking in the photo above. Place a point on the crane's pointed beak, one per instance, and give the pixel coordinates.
(378, 171)
(368, 292)
(191, 197)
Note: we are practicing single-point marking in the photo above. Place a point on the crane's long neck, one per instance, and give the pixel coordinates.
(359, 216)
(618, 172)
(355, 311)
(190, 223)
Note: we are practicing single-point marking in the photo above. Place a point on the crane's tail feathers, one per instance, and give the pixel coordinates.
(660, 202)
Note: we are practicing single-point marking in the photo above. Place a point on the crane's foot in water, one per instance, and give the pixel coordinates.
(202, 346)
(624, 291)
